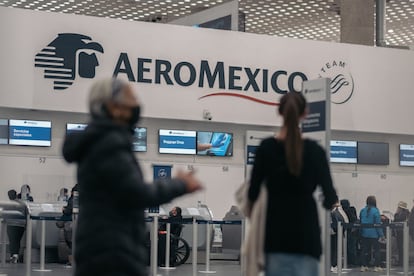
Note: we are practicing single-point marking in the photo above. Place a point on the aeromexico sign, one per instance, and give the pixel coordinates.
(208, 74)
(70, 56)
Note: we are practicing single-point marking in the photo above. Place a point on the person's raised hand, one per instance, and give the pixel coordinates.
(192, 183)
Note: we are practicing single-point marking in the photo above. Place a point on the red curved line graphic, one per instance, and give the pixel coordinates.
(239, 96)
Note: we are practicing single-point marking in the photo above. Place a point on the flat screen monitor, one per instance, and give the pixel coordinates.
(177, 141)
(214, 143)
(30, 133)
(70, 128)
(343, 152)
(371, 153)
(4, 131)
(140, 139)
(407, 155)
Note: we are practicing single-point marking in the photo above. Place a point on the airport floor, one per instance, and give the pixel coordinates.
(222, 268)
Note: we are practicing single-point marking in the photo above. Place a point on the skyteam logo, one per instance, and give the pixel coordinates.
(342, 82)
(67, 56)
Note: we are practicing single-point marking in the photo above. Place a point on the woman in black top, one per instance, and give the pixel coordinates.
(111, 232)
(291, 168)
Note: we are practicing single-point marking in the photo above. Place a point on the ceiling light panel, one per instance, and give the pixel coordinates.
(312, 19)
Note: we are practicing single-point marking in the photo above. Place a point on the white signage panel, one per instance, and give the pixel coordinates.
(317, 125)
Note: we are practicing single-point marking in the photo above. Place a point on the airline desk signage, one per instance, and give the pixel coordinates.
(317, 123)
(160, 172)
(317, 126)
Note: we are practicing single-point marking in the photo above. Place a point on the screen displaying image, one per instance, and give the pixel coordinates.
(222, 23)
(177, 141)
(4, 131)
(140, 139)
(371, 153)
(75, 127)
(214, 143)
(344, 152)
(407, 155)
(30, 133)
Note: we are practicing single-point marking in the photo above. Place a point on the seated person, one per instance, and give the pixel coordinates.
(175, 218)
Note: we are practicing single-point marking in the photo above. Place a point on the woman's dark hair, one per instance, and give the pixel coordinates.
(292, 107)
(371, 202)
(345, 203)
(178, 210)
(75, 188)
(12, 194)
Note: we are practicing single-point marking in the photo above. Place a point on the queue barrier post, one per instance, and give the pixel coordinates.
(75, 213)
(208, 239)
(42, 247)
(405, 248)
(3, 242)
(74, 227)
(339, 247)
(345, 246)
(326, 257)
(388, 250)
(242, 256)
(194, 249)
(154, 246)
(28, 257)
(167, 248)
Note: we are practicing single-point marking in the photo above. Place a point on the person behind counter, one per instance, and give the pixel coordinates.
(15, 231)
(67, 212)
(63, 195)
(111, 232)
(25, 193)
(67, 225)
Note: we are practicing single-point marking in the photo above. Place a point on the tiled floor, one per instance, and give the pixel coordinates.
(222, 268)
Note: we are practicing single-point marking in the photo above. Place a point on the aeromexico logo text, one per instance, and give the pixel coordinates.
(206, 74)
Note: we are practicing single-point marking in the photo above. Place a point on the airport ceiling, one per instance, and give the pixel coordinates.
(306, 19)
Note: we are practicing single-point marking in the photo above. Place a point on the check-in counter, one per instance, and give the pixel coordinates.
(51, 212)
(232, 234)
(16, 211)
(199, 213)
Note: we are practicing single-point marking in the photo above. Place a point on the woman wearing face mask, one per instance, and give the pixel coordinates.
(111, 233)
